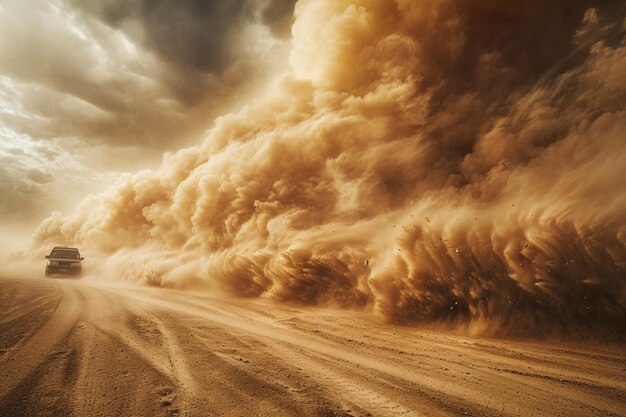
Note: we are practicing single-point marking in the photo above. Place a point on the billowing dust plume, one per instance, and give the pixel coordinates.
(443, 161)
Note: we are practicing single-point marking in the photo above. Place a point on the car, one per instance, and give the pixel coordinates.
(64, 260)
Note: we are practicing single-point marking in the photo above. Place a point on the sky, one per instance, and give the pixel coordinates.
(93, 89)
(434, 161)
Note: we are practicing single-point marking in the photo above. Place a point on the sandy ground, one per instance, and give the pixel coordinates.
(75, 348)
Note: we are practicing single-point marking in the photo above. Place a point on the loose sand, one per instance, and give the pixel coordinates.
(76, 348)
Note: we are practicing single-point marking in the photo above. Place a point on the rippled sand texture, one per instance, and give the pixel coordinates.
(72, 348)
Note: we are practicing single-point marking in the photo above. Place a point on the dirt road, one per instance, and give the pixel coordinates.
(75, 348)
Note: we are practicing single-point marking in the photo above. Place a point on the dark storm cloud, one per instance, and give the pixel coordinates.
(278, 15)
(198, 34)
(151, 73)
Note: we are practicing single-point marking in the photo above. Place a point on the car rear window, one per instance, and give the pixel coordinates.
(66, 254)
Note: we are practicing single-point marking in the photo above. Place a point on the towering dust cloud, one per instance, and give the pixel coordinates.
(444, 161)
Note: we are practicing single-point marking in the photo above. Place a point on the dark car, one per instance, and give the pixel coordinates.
(64, 260)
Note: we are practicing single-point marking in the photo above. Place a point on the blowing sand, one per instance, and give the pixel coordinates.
(75, 348)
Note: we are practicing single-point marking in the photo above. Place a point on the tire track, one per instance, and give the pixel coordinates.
(20, 363)
(109, 351)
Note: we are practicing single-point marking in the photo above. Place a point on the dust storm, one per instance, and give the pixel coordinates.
(435, 161)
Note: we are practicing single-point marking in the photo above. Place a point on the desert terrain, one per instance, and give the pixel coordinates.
(81, 348)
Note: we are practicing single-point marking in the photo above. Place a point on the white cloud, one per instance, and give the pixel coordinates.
(37, 175)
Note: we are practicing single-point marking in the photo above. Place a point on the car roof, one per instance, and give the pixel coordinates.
(64, 248)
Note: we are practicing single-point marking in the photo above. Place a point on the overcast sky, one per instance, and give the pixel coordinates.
(92, 89)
